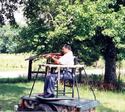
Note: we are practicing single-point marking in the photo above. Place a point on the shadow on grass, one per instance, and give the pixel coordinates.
(7, 105)
(10, 95)
(14, 89)
(20, 80)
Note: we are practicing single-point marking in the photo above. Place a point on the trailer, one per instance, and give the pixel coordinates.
(58, 103)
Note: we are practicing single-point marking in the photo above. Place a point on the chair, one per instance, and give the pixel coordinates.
(67, 83)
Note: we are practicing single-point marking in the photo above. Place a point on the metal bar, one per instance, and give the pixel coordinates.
(77, 88)
(90, 85)
(34, 82)
(58, 80)
(80, 75)
(73, 86)
(66, 92)
(43, 72)
(64, 88)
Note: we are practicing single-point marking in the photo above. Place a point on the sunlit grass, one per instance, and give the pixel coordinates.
(13, 62)
(109, 101)
(11, 93)
(17, 62)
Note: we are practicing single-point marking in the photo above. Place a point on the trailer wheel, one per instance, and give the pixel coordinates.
(44, 107)
(61, 109)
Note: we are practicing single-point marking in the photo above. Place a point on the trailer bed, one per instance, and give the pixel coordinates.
(64, 102)
(83, 104)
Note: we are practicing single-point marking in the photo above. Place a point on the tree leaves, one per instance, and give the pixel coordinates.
(65, 22)
(8, 39)
(7, 9)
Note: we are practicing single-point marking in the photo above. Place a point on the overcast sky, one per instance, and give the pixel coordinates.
(19, 17)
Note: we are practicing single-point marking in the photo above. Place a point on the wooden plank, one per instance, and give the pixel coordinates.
(32, 57)
(29, 70)
(62, 66)
(42, 72)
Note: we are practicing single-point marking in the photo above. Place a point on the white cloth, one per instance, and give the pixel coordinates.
(67, 59)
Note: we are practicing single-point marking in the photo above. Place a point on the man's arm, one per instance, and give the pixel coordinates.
(56, 60)
(53, 58)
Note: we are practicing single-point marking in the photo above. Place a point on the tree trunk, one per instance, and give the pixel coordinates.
(110, 63)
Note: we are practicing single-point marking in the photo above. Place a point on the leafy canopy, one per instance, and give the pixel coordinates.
(56, 22)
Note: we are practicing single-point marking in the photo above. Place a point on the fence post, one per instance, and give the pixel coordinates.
(30, 70)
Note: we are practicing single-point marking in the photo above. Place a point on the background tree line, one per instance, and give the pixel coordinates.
(94, 28)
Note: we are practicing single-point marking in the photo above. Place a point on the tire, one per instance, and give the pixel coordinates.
(44, 107)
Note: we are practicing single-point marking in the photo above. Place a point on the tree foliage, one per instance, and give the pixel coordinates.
(7, 9)
(8, 39)
(94, 28)
(74, 22)
(9, 29)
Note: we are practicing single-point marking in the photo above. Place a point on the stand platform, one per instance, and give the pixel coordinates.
(55, 98)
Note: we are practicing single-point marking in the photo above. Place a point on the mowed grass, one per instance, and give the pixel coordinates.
(109, 101)
(11, 93)
(13, 62)
(17, 62)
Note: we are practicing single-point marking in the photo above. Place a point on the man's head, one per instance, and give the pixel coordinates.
(66, 48)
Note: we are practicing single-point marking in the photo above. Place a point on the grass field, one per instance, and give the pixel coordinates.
(13, 62)
(16, 62)
(11, 93)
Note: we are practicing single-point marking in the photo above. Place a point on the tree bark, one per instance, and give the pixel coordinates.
(110, 62)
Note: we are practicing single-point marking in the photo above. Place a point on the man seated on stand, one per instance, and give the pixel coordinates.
(66, 59)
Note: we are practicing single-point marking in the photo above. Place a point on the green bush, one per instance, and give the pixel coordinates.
(8, 39)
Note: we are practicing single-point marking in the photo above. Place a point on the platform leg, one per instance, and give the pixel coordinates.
(34, 81)
(29, 70)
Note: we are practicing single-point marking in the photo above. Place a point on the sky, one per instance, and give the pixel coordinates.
(19, 17)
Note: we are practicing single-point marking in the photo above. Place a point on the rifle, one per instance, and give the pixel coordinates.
(48, 55)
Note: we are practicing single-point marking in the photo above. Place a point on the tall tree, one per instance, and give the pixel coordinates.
(92, 27)
(96, 23)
